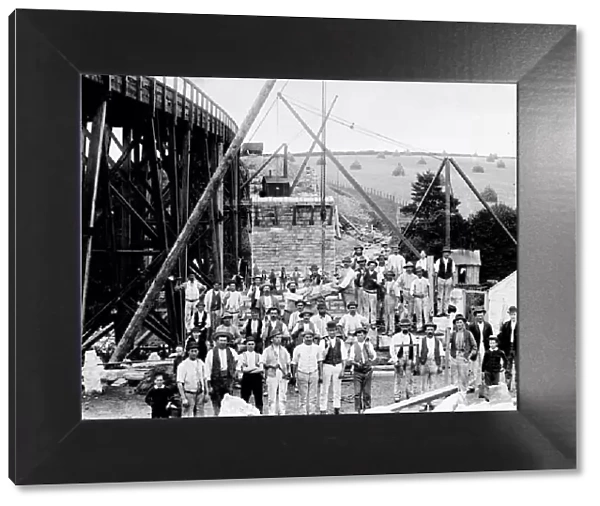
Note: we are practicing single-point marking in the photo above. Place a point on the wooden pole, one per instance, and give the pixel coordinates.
(312, 148)
(262, 167)
(447, 165)
(90, 192)
(352, 181)
(143, 309)
(481, 199)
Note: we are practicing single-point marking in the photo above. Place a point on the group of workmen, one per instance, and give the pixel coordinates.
(311, 352)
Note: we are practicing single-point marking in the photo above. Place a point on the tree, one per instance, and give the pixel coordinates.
(498, 252)
(429, 230)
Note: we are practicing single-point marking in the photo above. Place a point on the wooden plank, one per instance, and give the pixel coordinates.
(414, 401)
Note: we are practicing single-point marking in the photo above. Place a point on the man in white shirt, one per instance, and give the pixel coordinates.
(233, 302)
(444, 270)
(346, 282)
(221, 364)
(334, 353)
(276, 362)
(402, 355)
(307, 367)
(361, 355)
(419, 291)
(395, 262)
(351, 321)
(292, 296)
(391, 297)
(422, 263)
(193, 291)
(254, 291)
(272, 325)
(251, 366)
(228, 327)
(295, 316)
(191, 383)
(405, 283)
(430, 358)
(214, 304)
(320, 320)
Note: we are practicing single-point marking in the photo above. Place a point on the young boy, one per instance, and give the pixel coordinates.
(494, 363)
(159, 397)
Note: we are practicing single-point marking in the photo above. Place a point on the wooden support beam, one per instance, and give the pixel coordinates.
(425, 196)
(90, 192)
(116, 141)
(352, 181)
(481, 199)
(427, 397)
(133, 328)
(151, 232)
(312, 148)
(448, 202)
(96, 337)
(212, 217)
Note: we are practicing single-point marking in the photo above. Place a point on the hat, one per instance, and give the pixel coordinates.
(362, 260)
(459, 317)
(307, 333)
(346, 260)
(290, 283)
(430, 324)
(273, 308)
(495, 338)
(222, 333)
(419, 268)
(193, 345)
(446, 249)
(478, 310)
(266, 285)
(351, 303)
(321, 305)
(226, 314)
(306, 311)
(389, 273)
(371, 262)
(331, 325)
(314, 267)
(408, 264)
(360, 329)
(512, 309)
(257, 276)
(276, 333)
(405, 322)
(358, 247)
(451, 308)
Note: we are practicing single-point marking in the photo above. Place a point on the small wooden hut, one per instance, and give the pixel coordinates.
(468, 265)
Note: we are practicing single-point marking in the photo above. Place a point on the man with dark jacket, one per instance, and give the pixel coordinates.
(507, 342)
(430, 358)
(221, 365)
(463, 350)
(402, 357)
(482, 331)
(253, 328)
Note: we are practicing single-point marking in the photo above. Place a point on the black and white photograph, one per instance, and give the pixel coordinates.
(276, 247)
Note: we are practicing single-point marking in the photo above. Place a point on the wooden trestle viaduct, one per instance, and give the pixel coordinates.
(172, 137)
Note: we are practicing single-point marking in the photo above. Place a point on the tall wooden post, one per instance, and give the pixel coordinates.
(447, 177)
(149, 299)
(285, 160)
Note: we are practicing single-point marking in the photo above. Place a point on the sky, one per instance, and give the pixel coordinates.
(455, 117)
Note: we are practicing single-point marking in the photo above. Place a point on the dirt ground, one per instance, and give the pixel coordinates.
(123, 402)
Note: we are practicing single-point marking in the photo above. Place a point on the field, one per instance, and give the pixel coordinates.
(377, 174)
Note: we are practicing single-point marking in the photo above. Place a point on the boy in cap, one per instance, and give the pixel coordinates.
(361, 356)
(419, 291)
(430, 358)
(402, 356)
(307, 368)
(494, 363)
(444, 270)
(253, 328)
(463, 350)
(334, 353)
(251, 367)
(160, 397)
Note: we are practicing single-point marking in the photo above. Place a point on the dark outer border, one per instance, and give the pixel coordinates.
(52, 445)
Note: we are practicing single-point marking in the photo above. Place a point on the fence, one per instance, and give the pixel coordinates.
(370, 191)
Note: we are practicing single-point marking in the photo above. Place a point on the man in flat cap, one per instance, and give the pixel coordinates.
(221, 364)
(402, 356)
(334, 353)
(191, 383)
(361, 356)
(463, 351)
(507, 342)
(307, 370)
(430, 358)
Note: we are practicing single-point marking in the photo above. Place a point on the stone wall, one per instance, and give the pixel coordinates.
(287, 232)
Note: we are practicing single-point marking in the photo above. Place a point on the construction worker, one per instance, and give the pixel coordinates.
(371, 284)
(482, 331)
(350, 322)
(404, 283)
(463, 350)
(346, 282)
(444, 270)
(361, 356)
(430, 359)
(194, 290)
(402, 356)
(396, 262)
(507, 342)
(391, 298)
(419, 291)
(334, 355)
(360, 270)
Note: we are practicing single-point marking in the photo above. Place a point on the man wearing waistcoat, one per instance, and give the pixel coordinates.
(251, 367)
(273, 324)
(463, 351)
(391, 297)
(303, 325)
(361, 356)
(430, 358)
(402, 356)
(221, 364)
(254, 328)
(276, 362)
(371, 283)
(482, 331)
(193, 290)
(404, 283)
(254, 292)
(360, 270)
(444, 270)
(334, 355)
(358, 257)
(419, 291)
(214, 302)
(200, 330)
(507, 342)
(266, 302)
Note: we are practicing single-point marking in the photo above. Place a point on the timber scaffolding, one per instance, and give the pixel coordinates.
(134, 207)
